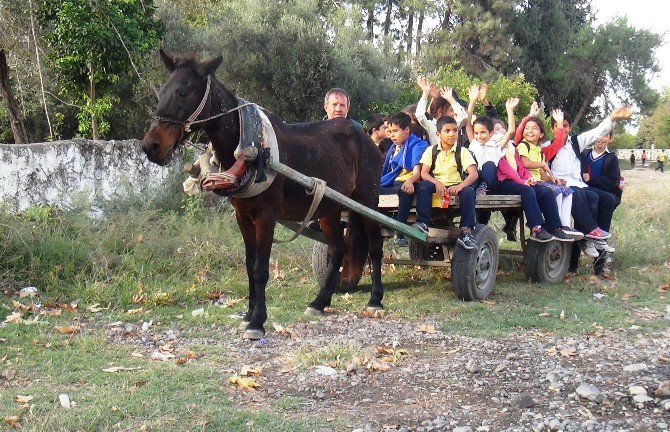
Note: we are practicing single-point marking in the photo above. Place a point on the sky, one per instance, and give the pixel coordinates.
(642, 14)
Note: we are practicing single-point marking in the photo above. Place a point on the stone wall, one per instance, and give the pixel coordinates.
(59, 172)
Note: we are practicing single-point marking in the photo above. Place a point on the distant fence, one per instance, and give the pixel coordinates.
(62, 171)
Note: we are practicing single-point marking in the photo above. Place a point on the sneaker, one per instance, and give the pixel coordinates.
(572, 233)
(510, 230)
(482, 189)
(589, 249)
(540, 235)
(467, 240)
(603, 246)
(401, 241)
(561, 236)
(598, 234)
(421, 227)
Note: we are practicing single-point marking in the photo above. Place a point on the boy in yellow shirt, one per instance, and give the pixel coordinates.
(445, 179)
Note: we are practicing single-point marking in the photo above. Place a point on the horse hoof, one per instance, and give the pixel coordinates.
(243, 325)
(373, 308)
(313, 312)
(253, 334)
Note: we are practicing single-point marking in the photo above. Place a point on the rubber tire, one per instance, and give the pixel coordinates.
(547, 262)
(473, 272)
(320, 269)
(422, 252)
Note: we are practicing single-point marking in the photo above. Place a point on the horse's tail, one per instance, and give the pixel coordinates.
(356, 240)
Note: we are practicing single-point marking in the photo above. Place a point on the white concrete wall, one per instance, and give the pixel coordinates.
(58, 172)
(651, 154)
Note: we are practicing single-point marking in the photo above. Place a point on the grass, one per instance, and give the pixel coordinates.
(172, 260)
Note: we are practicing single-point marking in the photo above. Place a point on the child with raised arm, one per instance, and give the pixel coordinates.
(442, 104)
(528, 137)
(440, 174)
(486, 148)
(402, 166)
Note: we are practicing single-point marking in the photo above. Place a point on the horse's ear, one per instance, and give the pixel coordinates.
(167, 60)
(209, 67)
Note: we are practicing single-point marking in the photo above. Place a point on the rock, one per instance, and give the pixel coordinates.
(637, 390)
(552, 377)
(352, 367)
(663, 389)
(473, 367)
(64, 400)
(666, 404)
(522, 401)
(462, 429)
(325, 370)
(636, 367)
(590, 392)
(642, 398)
(555, 424)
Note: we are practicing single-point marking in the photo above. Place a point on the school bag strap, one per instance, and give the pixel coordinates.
(457, 156)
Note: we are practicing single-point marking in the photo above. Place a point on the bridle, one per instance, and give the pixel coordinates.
(186, 125)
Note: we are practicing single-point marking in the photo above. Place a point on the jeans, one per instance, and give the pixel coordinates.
(582, 210)
(537, 201)
(488, 175)
(605, 207)
(424, 200)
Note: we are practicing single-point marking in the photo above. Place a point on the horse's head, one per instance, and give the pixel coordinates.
(184, 97)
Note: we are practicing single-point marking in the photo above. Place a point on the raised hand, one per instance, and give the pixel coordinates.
(473, 93)
(558, 117)
(621, 113)
(483, 89)
(447, 93)
(423, 83)
(511, 103)
(534, 109)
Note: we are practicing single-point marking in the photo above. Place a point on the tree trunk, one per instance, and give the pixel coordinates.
(387, 21)
(447, 17)
(370, 24)
(18, 129)
(419, 31)
(39, 70)
(586, 104)
(94, 121)
(410, 31)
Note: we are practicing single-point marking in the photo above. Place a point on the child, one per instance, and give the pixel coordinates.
(536, 200)
(401, 167)
(446, 105)
(440, 175)
(376, 128)
(487, 149)
(528, 138)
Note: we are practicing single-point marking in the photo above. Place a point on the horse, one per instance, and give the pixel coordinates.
(335, 151)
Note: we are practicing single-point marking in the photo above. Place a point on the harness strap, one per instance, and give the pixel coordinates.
(318, 190)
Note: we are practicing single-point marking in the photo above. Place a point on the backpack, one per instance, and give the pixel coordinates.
(457, 156)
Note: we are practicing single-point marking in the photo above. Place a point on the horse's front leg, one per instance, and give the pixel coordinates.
(248, 230)
(265, 226)
(375, 247)
(332, 229)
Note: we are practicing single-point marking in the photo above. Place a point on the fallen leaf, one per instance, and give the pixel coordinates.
(544, 314)
(137, 311)
(167, 347)
(250, 371)
(426, 328)
(281, 330)
(53, 312)
(191, 355)
(663, 359)
(67, 329)
(115, 369)
(159, 356)
(95, 308)
(21, 307)
(24, 399)
(303, 280)
(346, 297)
(551, 351)
(562, 315)
(232, 302)
(664, 288)
(13, 318)
(373, 313)
(568, 352)
(490, 302)
(243, 383)
(214, 295)
(139, 298)
(630, 295)
(13, 421)
(379, 366)
(666, 264)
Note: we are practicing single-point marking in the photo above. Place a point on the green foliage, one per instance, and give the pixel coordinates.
(88, 54)
(655, 128)
(622, 141)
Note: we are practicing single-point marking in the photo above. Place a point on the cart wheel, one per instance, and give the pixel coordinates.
(423, 252)
(320, 269)
(473, 272)
(547, 262)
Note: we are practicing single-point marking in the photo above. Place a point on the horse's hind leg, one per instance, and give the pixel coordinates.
(330, 225)
(375, 244)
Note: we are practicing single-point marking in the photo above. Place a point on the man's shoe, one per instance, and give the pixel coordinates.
(598, 234)
(401, 241)
(590, 249)
(541, 235)
(561, 236)
(572, 233)
(421, 227)
(467, 240)
(482, 189)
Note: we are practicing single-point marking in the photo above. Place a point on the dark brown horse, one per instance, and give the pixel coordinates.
(335, 151)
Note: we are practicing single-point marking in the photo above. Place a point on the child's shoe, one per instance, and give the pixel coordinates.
(572, 233)
(603, 246)
(539, 234)
(467, 240)
(561, 236)
(598, 234)
(421, 227)
(482, 189)
(589, 249)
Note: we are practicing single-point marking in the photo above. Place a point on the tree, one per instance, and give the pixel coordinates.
(13, 111)
(655, 128)
(92, 43)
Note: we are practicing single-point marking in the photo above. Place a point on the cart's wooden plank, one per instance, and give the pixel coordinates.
(390, 202)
